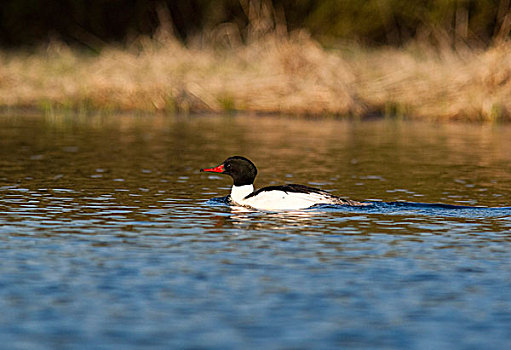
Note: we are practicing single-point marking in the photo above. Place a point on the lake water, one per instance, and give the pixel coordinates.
(110, 238)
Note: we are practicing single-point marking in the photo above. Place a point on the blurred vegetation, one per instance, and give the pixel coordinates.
(94, 23)
(436, 59)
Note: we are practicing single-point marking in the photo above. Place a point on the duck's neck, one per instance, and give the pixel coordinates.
(240, 192)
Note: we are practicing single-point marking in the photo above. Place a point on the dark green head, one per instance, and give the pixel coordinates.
(241, 169)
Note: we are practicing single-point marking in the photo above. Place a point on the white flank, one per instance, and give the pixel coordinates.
(277, 200)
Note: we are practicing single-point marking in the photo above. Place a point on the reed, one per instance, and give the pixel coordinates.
(285, 74)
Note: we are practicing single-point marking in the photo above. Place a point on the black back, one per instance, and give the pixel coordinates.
(290, 188)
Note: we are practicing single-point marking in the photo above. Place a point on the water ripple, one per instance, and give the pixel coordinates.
(152, 261)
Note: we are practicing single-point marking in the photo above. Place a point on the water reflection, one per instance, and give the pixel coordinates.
(286, 221)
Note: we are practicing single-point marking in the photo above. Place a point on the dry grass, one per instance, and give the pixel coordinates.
(289, 76)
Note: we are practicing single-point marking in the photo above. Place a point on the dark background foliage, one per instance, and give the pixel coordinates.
(372, 22)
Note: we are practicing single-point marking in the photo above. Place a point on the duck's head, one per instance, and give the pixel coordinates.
(242, 170)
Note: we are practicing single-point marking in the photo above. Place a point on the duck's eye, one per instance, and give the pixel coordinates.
(228, 166)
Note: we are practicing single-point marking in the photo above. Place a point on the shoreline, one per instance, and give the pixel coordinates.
(291, 76)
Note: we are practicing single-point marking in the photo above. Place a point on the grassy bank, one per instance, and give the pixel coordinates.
(294, 75)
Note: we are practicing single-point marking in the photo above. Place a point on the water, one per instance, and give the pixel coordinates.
(110, 237)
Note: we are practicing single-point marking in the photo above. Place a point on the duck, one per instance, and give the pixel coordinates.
(282, 197)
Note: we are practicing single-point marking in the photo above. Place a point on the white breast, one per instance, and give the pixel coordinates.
(240, 192)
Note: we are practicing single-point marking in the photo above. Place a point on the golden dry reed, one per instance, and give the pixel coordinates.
(275, 74)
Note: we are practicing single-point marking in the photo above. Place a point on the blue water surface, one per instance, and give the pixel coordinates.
(110, 238)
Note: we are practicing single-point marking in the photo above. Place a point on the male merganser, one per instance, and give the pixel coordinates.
(286, 197)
